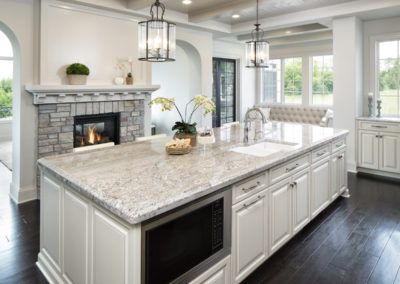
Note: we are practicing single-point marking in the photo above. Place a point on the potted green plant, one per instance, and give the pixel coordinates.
(77, 74)
(129, 79)
(185, 128)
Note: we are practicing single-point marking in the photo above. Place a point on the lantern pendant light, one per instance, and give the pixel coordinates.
(157, 36)
(257, 50)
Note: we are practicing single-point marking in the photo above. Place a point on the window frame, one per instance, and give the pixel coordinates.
(374, 69)
(311, 72)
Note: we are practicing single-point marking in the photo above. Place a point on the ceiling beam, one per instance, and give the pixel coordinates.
(353, 8)
(224, 8)
(138, 4)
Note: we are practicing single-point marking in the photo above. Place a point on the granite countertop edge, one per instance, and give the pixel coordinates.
(85, 190)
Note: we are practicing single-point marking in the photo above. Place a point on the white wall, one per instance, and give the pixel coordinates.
(181, 80)
(246, 87)
(19, 20)
(95, 39)
(373, 30)
(347, 79)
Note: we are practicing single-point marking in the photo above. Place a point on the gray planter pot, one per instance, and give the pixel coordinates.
(77, 79)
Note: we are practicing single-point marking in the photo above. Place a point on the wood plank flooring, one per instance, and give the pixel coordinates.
(355, 240)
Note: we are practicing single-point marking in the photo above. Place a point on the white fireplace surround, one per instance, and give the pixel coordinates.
(58, 94)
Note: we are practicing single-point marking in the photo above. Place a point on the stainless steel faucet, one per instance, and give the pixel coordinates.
(247, 124)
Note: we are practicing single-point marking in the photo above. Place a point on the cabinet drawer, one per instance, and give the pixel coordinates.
(321, 153)
(248, 187)
(338, 144)
(282, 171)
(379, 126)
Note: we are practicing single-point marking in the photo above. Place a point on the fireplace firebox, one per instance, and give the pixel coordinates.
(96, 129)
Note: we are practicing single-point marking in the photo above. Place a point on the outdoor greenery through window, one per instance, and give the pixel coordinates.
(293, 80)
(6, 72)
(389, 79)
(272, 82)
(322, 84)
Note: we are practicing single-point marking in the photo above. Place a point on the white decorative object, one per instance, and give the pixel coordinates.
(370, 100)
(77, 79)
(119, 80)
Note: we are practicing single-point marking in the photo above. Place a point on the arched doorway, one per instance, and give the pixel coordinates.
(181, 80)
(6, 79)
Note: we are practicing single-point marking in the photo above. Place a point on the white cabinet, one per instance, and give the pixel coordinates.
(76, 239)
(220, 273)
(368, 151)
(280, 214)
(320, 187)
(249, 235)
(389, 148)
(338, 174)
(379, 147)
(110, 250)
(301, 200)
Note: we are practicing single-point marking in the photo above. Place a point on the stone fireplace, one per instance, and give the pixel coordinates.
(67, 113)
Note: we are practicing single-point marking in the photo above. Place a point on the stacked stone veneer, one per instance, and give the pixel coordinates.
(56, 123)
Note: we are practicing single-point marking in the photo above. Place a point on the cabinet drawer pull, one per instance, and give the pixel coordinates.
(293, 184)
(379, 126)
(292, 168)
(339, 145)
(251, 187)
(321, 154)
(251, 203)
(340, 156)
(379, 136)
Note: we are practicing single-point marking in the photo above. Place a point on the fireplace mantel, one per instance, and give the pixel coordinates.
(57, 94)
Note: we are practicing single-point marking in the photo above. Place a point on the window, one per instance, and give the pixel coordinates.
(322, 80)
(293, 80)
(6, 72)
(224, 90)
(388, 76)
(272, 82)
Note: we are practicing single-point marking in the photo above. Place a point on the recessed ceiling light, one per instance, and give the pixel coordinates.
(236, 16)
(187, 2)
(288, 32)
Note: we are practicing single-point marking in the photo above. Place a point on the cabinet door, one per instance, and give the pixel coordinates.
(389, 152)
(335, 176)
(249, 235)
(280, 214)
(110, 250)
(76, 243)
(320, 187)
(218, 274)
(342, 172)
(301, 200)
(368, 149)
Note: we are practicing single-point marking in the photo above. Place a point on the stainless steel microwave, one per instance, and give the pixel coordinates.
(180, 245)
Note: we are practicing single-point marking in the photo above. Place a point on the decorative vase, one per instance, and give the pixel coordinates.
(192, 137)
(119, 80)
(129, 80)
(77, 79)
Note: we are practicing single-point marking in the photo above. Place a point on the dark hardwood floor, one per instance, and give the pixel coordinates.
(355, 240)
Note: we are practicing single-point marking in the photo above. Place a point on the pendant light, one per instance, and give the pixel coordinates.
(257, 50)
(157, 36)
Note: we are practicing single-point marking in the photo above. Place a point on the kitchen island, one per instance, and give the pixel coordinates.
(93, 204)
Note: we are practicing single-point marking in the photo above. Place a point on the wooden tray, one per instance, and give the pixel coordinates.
(177, 151)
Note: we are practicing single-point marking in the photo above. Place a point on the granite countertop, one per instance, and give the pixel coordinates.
(379, 119)
(139, 180)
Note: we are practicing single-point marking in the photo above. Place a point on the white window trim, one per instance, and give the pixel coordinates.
(374, 68)
(6, 58)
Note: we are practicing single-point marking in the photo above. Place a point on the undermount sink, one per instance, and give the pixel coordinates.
(266, 148)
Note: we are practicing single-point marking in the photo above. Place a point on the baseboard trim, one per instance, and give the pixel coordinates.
(380, 174)
(48, 271)
(23, 194)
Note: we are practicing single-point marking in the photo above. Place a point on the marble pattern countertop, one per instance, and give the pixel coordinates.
(139, 180)
(379, 119)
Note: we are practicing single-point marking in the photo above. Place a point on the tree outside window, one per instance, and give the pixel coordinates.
(293, 80)
(322, 84)
(6, 72)
(389, 79)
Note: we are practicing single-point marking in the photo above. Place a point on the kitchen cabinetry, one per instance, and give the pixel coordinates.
(338, 168)
(249, 235)
(320, 187)
(379, 147)
(220, 273)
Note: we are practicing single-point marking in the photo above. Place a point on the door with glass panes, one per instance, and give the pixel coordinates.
(224, 90)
